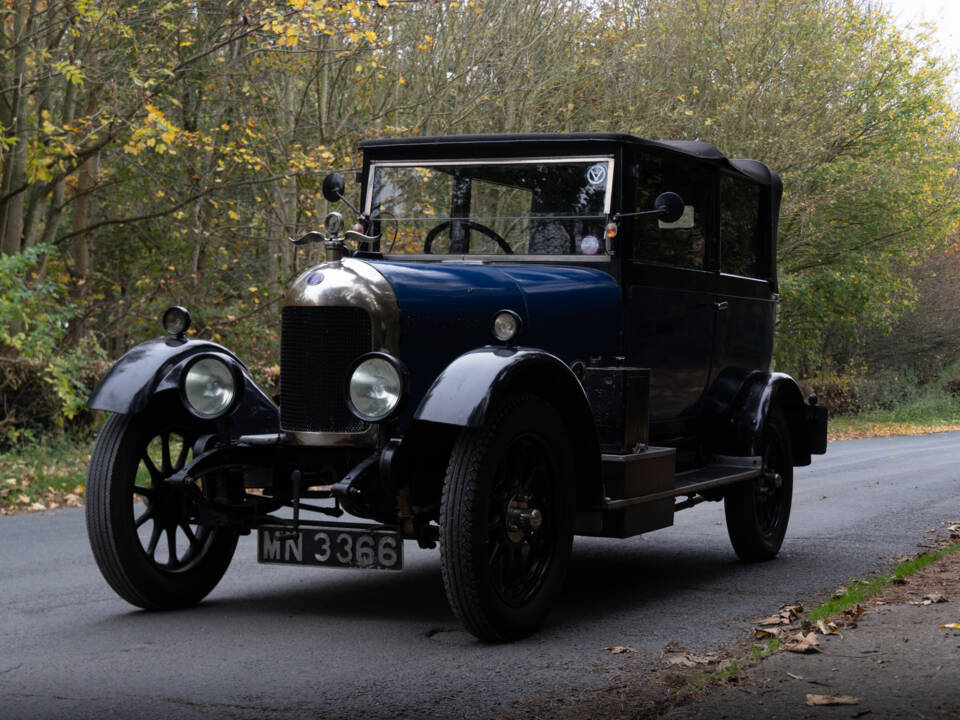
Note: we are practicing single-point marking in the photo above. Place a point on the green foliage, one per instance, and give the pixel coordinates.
(890, 397)
(168, 152)
(41, 378)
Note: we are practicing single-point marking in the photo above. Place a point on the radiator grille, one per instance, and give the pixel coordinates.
(317, 347)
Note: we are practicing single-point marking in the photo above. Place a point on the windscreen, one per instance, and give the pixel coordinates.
(529, 207)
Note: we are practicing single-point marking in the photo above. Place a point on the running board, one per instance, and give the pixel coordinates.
(720, 471)
(640, 489)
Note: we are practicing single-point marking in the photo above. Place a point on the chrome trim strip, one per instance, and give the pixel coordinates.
(329, 439)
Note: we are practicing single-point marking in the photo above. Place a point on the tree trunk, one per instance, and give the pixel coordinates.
(82, 269)
(15, 163)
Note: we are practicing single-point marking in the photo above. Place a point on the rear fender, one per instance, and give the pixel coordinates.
(466, 389)
(761, 392)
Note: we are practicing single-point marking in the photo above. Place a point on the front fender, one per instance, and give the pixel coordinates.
(155, 367)
(466, 389)
(135, 377)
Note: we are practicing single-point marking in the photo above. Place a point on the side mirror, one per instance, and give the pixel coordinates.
(669, 206)
(333, 187)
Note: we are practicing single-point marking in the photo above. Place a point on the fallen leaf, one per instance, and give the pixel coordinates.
(764, 633)
(795, 677)
(689, 659)
(854, 613)
(772, 620)
(932, 598)
(37, 506)
(827, 627)
(786, 615)
(839, 592)
(951, 626)
(801, 643)
(620, 649)
(814, 700)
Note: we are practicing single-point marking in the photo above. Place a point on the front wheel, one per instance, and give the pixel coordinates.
(144, 533)
(758, 510)
(506, 519)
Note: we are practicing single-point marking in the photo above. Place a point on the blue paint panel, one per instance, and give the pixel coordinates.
(447, 309)
(573, 312)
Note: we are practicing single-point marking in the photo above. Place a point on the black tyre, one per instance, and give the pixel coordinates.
(143, 532)
(506, 519)
(758, 510)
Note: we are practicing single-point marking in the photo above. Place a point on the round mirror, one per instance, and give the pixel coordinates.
(670, 206)
(333, 187)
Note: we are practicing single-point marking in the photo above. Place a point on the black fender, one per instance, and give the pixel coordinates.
(155, 367)
(466, 389)
(740, 432)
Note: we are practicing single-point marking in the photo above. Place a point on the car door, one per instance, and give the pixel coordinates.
(669, 288)
(745, 301)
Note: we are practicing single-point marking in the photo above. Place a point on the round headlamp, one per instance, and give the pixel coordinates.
(333, 223)
(176, 320)
(506, 325)
(376, 387)
(209, 387)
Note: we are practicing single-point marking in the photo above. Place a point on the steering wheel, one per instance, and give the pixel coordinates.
(489, 232)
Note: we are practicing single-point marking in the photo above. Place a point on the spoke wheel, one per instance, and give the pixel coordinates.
(758, 510)
(506, 519)
(144, 533)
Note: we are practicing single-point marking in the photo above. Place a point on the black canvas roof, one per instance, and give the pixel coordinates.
(442, 146)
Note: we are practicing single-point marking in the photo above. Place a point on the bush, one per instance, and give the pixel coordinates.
(902, 396)
(43, 385)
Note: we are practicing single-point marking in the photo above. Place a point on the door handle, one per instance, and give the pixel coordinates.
(721, 305)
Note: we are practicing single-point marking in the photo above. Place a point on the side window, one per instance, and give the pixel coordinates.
(739, 226)
(682, 243)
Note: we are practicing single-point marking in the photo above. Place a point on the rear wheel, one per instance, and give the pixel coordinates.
(144, 533)
(758, 510)
(506, 519)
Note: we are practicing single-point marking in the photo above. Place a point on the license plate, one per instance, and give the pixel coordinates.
(342, 547)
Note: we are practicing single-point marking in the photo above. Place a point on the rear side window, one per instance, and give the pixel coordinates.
(682, 243)
(739, 226)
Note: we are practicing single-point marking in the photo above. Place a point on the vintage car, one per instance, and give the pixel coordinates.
(523, 338)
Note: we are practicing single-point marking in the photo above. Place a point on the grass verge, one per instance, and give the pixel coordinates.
(44, 476)
(862, 590)
(881, 424)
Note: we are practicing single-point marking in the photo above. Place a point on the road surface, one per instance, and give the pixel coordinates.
(283, 642)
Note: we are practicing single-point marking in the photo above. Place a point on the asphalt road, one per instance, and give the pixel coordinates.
(284, 642)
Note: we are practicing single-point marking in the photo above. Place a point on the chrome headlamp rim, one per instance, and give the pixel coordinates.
(235, 373)
(403, 377)
(176, 320)
(506, 314)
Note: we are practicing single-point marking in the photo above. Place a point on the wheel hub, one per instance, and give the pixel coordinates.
(522, 520)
